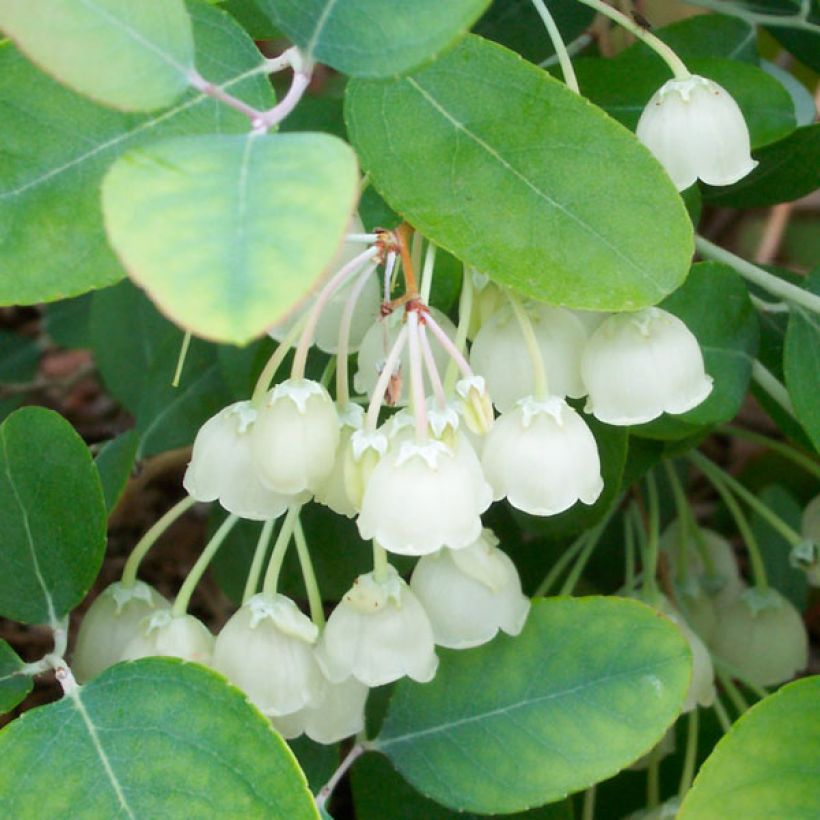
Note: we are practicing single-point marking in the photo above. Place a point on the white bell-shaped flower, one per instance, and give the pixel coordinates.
(377, 343)
(499, 354)
(724, 584)
(360, 459)
(295, 436)
(696, 130)
(542, 457)
(222, 466)
(639, 365)
(470, 594)
(378, 633)
(340, 714)
(763, 637)
(326, 336)
(332, 491)
(266, 649)
(110, 623)
(425, 496)
(167, 635)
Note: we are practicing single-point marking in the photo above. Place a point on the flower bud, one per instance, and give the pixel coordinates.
(295, 437)
(470, 594)
(377, 343)
(421, 497)
(542, 457)
(499, 353)
(222, 466)
(762, 636)
(165, 635)
(340, 714)
(110, 623)
(696, 130)
(639, 365)
(487, 299)
(475, 405)
(266, 649)
(378, 633)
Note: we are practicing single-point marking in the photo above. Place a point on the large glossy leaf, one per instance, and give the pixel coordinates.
(517, 25)
(13, 685)
(56, 146)
(788, 170)
(587, 688)
(133, 56)
(767, 765)
(52, 517)
(154, 738)
(372, 38)
(801, 365)
(227, 233)
(514, 174)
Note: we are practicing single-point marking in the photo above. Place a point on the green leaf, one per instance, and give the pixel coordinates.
(132, 56)
(317, 760)
(801, 365)
(788, 170)
(67, 321)
(201, 222)
(380, 794)
(115, 463)
(19, 357)
(802, 42)
(517, 25)
(589, 686)
(13, 686)
(714, 304)
(767, 764)
(365, 39)
(56, 146)
(151, 738)
(52, 517)
(501, 165)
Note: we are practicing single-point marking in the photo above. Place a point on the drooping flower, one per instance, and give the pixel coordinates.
(266, 649)
(295, 437)
(639, 365)
(762, 636)
(378, 633)
(333, 490)
(542, 457)
(175, 636)
(424, 496)
(222, 466)
(697, 131)
(499, 354)
(338, 715)
(470, 594)
(110, 623)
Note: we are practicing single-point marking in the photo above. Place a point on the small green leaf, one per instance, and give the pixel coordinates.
(56, 146)
(52, 517)
(787, 170)
(115, 462)
(13, 686)
(67, 321)
(153, 738)
(589, 686)
(767, 765)
(501, 165)
(801, 365)
(202, 223)
(132, 56)
(367, 39)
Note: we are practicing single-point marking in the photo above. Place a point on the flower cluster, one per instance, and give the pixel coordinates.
(416, 455)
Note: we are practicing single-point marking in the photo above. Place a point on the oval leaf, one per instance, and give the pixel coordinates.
(365, 39)
(513, 173)
(56, 146)
(142, 740)
(227, 233)
(132, 56)
(588, 687)
(52, 517)
(801, 365)
(767, 765)
(14, 686)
